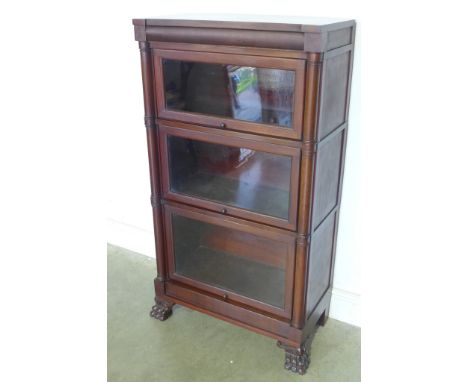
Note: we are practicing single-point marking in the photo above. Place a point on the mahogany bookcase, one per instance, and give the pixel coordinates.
(246, 125)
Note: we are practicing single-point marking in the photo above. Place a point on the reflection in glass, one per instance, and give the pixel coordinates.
(252, 180)
(241, 92)
(232, 260)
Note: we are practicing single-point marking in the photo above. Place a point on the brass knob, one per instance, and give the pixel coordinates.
(222, 125)
(224, 211)
(225, 297)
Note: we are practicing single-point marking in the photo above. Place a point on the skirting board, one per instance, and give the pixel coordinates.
(130, 237)
(345, 305)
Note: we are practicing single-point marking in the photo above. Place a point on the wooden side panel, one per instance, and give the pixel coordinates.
(320, 261)
(338, 38)
(336, 71)
(330, 141)
(327, 178)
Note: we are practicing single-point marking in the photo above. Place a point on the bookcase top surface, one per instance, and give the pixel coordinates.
(252, 22)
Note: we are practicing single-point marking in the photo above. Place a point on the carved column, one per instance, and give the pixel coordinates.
(162, 309)
(305, 203)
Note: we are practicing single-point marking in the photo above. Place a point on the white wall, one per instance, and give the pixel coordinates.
(129, 221)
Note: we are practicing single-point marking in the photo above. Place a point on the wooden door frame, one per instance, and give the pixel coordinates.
(296, 65)
(270, 233)
(235, 141)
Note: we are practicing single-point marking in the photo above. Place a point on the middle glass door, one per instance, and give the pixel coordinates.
(234, 176)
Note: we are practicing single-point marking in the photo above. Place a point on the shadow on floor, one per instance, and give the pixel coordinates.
(192, 346)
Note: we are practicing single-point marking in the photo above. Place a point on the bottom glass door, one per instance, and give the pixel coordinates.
(237, 260)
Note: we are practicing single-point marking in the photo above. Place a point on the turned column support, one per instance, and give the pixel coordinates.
(162, 310)
(147, 77)
(313, 74)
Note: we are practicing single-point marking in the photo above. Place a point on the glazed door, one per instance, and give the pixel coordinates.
(262, 95)
(234, 176)
(235, 260)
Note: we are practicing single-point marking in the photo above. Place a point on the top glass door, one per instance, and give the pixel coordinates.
(247, 93)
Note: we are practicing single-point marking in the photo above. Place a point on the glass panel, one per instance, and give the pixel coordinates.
(232, 260)
(252, 180)
(241, 92)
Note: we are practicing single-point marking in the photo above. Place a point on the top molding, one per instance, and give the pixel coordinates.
(295, 33)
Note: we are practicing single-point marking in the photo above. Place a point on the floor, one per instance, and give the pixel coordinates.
(192, 346)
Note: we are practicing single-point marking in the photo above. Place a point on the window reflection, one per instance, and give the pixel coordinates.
(249, 179)
(241, 92)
